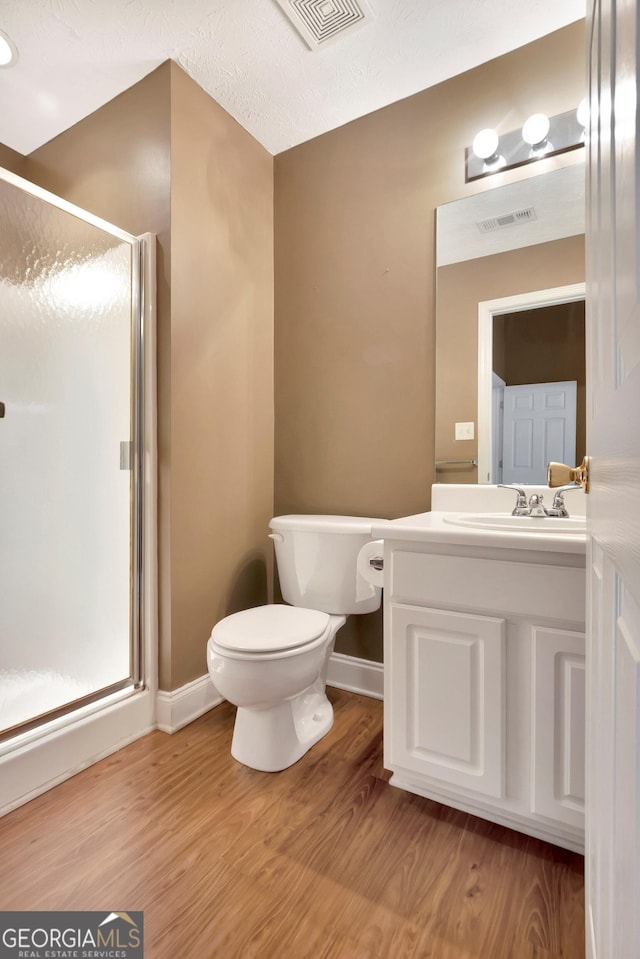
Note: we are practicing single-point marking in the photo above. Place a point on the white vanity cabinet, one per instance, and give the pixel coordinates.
(484, 678)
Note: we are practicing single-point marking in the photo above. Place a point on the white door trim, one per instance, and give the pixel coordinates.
(487, 309)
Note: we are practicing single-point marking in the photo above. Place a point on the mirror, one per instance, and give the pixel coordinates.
(509, 261)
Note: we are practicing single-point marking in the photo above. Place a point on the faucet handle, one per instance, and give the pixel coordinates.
(561, 490)
(558, 508)
(521, 508)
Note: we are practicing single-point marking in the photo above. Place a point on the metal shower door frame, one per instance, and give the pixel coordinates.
(139, 293)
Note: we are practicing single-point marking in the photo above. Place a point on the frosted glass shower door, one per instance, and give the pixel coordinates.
(68, 332)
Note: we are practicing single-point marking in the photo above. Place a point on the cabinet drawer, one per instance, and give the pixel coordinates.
(488, 584)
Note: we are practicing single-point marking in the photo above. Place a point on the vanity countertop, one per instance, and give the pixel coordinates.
(436, 527)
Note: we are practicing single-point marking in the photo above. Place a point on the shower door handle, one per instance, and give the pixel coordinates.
(1, 411)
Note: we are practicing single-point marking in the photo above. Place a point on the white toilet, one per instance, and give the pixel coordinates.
(271, 661)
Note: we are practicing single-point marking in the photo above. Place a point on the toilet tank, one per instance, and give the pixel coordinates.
(316, 558)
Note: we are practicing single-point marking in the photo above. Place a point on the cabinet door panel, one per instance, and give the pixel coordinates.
(448, 698)
(558, 725)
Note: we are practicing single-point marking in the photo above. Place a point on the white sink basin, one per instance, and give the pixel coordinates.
(520, 524)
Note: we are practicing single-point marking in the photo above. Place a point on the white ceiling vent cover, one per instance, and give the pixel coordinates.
(318, 21)
(508, 219)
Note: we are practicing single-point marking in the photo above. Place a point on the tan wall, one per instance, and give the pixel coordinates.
(11, 160)
(164, 158)
(222, 371)
(461, 286)
(355, 297)
(116, 162)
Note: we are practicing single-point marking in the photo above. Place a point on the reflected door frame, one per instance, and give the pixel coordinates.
(487, 309)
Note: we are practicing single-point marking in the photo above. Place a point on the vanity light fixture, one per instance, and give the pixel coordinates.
(541, 136)
(486, 146)
(535, 132)
(8, 50)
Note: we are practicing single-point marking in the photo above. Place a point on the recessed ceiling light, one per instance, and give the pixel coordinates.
(8, 51)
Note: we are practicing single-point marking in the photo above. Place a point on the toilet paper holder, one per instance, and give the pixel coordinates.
(370, 568)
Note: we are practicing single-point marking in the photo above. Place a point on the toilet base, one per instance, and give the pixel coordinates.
(275, 737)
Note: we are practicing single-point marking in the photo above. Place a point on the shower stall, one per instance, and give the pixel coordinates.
(73, 304)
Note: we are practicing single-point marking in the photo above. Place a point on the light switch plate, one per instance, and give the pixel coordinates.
(465, 431)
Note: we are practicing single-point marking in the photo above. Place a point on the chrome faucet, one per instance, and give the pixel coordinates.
(558, 508)
(533, 508)
(535, 505)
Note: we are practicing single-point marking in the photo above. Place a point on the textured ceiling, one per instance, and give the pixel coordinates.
(75, 55)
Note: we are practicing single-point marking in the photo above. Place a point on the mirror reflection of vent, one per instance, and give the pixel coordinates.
(508, 219)
(318, 21)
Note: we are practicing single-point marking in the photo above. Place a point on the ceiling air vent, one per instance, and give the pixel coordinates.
(509, 219)
(318, 21)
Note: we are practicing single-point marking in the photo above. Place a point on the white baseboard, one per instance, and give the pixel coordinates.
(356, 675)
(179, 707)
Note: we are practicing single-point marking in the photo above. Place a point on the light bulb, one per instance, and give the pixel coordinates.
(536, 129)
(582, 113)
(8, 52)
(485, 144)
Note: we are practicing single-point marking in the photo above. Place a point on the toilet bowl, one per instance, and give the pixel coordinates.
(262, 660)
(271, 661)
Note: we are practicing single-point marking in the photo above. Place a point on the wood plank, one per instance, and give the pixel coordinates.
(324, 859)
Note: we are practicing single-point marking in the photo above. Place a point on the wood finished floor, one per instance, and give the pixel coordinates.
(325, 860)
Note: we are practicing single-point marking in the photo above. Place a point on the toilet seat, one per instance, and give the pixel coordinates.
(270, 629)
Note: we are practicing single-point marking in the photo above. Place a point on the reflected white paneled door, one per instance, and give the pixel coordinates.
(539, 426)
(68, 310)
(497, 426)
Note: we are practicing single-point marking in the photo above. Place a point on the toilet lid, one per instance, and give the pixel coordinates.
(269, 628)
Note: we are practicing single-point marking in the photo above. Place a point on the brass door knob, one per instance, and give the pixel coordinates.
(559, 474)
